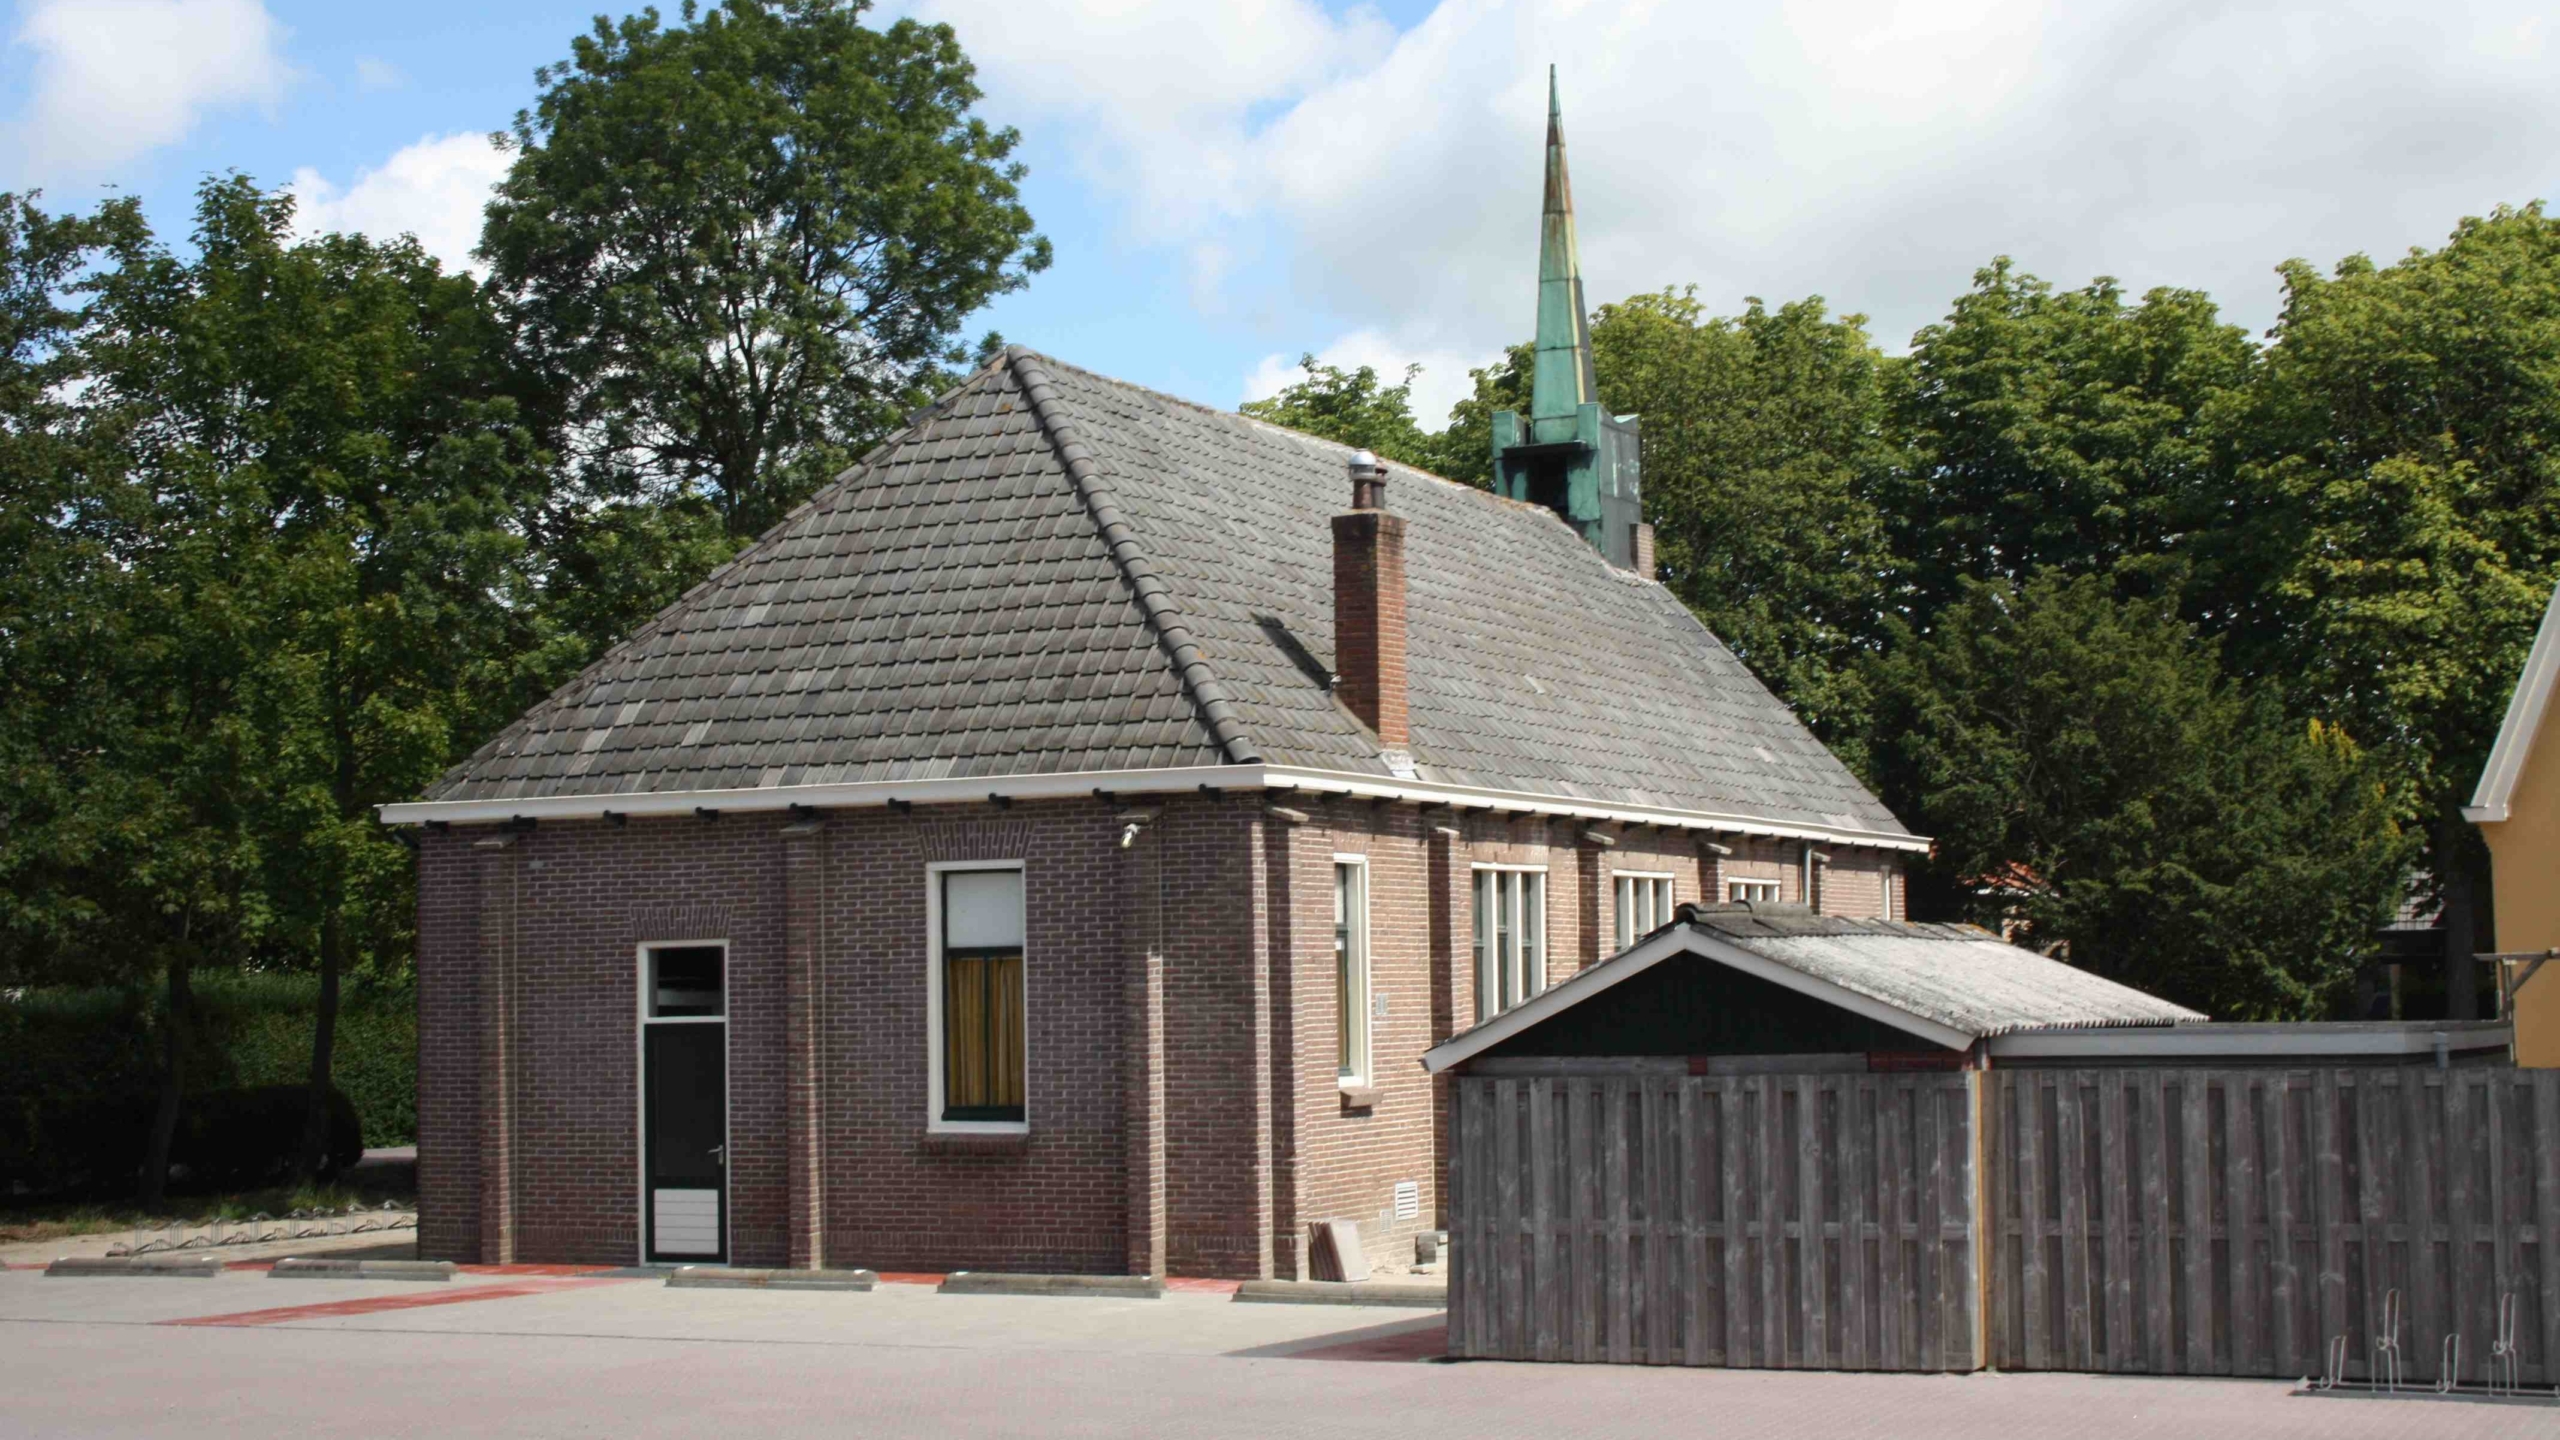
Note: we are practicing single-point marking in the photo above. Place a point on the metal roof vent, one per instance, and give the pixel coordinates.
(1368, 482)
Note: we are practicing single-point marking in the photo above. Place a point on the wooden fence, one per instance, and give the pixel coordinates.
(2230, 1222)
(1764, 1220)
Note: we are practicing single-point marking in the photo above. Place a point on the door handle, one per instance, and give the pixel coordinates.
(720, 1156)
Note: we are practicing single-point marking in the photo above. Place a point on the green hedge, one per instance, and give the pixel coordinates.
(68, 1058)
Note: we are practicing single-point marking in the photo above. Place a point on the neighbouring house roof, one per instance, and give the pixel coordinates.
(2524, 721)
(1949, 984)
(1052, 573)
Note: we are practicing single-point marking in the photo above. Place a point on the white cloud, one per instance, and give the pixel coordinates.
(434, 189)
(117, 78)
(373, 74)
(1872, 151)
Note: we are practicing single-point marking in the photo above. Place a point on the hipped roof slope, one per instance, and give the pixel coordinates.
(1048, 571)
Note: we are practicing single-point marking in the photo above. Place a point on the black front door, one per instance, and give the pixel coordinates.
(688, 1135)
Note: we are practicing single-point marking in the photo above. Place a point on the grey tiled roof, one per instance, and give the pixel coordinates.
(1051, 571)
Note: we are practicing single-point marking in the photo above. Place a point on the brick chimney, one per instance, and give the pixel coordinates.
(1368, 605)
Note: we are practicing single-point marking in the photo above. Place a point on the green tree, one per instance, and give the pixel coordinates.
(2062, 429)
(322, 546)
(2095, 781)
(737, 248)
(2403, 434)
(1464, 451)
(1353, 407)
(128, 853)
(1764, 444)
(124, 859)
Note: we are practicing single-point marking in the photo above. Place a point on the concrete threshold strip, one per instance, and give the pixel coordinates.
(321, 1267)
(719, 1277)
(193, 1267)
(993, 1282)
(1337, 1292)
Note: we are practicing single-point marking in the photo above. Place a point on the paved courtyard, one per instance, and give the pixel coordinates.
(535, 1353)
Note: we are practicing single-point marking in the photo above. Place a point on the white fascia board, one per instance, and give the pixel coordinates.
(2525, 710)
(1067, 784)
(847, 796)
(1681, 940)
(1464, 796)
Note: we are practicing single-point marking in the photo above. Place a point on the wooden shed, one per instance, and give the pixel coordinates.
(1764, 1138)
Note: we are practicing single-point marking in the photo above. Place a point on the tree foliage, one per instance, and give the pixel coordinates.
(2406, 434)
(737, 247)
(300, 589)
(2358, 517)
(2095, 782)
(1354, 407)
(1764, 444)
(2061, 430)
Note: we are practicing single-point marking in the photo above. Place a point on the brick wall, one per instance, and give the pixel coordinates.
(1187, 981)
(1356, 1143)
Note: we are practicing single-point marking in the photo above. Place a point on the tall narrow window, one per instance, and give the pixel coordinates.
(1351, 970)
(982, 996)
(1644, 905)
(1511, 937)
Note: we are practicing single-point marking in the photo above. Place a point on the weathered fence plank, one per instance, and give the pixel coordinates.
(2295, 1201)
(1734, 1220)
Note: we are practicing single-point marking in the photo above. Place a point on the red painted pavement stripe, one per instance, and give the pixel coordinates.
(909, 1277)
(1205, 1287)
(286, 1314)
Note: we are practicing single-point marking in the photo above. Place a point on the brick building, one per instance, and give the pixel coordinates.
(1054, 846)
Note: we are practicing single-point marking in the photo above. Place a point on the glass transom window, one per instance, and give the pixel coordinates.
(1644, 905)
(1510, 937)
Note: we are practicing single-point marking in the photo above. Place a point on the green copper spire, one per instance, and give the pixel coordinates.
(1568, 453)
(1563, 380)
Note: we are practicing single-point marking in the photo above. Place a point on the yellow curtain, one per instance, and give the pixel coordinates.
(982, 1033)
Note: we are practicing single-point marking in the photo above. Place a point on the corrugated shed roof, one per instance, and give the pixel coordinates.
(1959, 976)
(1049, 571)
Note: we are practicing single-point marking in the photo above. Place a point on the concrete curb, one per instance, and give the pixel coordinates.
(1335, 1292)
(991, 1282)
(194, 1267)
(321, 1267)
(714, 1277)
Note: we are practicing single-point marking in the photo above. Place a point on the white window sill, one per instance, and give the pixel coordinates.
(978, 1127)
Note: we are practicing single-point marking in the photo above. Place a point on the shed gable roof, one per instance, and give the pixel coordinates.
(1052, 572)
(1950, 984)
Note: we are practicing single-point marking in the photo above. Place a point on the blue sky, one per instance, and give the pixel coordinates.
(1231, 184)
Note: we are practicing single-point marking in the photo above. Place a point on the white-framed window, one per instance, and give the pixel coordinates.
(1351, 968)
(976, 998)
(1751, 890)
(1511, 936)
(1644, 905)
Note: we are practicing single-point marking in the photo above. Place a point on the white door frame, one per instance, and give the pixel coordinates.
(640, 1084)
